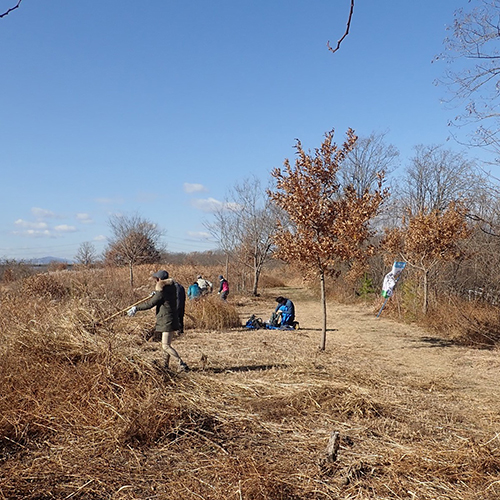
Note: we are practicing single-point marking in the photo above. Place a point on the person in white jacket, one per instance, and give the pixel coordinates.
(205, 285)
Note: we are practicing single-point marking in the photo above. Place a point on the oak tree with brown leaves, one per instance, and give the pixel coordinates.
(427, 239)
(327, 222)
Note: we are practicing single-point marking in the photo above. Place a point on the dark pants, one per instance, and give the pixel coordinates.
(180, 314)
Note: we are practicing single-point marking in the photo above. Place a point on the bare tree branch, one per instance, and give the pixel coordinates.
(345, 33)
(11, 9)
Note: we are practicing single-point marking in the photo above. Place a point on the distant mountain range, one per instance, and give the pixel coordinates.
(43, 261)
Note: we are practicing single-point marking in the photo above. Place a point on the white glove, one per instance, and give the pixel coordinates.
(132, 311)
(218, 293)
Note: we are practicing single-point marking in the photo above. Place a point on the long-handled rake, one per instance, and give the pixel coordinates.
(109, 318)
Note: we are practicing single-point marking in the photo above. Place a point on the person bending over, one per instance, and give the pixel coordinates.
(287, 310)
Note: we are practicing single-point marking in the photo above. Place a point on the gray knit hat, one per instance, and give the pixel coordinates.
(161, 275)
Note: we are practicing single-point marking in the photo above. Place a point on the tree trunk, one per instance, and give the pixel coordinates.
(131, 269)
(323, 306)
(425, 305)
(256, 275)
(256, 271)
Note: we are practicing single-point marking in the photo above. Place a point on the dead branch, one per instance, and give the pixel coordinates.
(345, 33)
(11, 9)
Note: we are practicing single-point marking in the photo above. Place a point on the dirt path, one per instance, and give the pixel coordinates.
(418, 416)
(383, 348)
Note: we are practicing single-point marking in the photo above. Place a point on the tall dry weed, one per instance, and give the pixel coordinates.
(469, 323)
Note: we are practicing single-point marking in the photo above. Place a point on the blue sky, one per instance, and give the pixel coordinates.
(157, 108)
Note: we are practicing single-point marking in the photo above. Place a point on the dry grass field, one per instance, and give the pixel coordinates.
(87, 412)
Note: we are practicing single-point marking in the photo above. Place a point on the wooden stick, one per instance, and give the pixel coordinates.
(333, 447)
(126, 309)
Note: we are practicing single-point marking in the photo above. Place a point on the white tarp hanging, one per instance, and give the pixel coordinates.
(391, 279)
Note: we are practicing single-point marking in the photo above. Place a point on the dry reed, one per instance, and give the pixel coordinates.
(86, 413)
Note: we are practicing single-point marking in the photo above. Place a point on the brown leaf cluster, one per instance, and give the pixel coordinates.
(427, 238)
(327, 222)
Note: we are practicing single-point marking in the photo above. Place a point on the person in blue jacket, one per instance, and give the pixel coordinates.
(286, 308)
(194, 291)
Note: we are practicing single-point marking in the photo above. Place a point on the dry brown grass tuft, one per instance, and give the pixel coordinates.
(43, 285)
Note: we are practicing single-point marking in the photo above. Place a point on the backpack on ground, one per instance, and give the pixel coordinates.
(274, 321)
(255, 323)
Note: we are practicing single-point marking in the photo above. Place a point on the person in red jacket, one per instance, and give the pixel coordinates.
(223, 288)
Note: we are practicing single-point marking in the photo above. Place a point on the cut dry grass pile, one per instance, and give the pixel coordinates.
(211, 313)
(87, 414)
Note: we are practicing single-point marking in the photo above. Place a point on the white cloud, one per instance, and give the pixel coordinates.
(199, 235)
(64, 228)
(194, 188)
(101, 237)
(33, 233)
(109, 201)
(212, 205)
(146, 197)
(208, 204)
(84, 218)
(42, 213)
(31, 225)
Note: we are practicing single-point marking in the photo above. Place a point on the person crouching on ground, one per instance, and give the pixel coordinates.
(167, 321)
(287, 309)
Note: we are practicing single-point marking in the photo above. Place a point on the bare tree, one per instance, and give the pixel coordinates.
(346, 32)
(326, 224)
(86, 254)
(244, 226)
(134, 241)
(435, 178)
(369, 157)
(473, 74)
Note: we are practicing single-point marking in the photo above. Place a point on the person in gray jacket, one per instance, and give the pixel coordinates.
(167, 320)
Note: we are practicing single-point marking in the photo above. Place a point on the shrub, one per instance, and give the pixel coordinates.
(466, 323)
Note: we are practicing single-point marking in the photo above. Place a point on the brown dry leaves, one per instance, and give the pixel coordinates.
(327, 223)
(430, 237)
